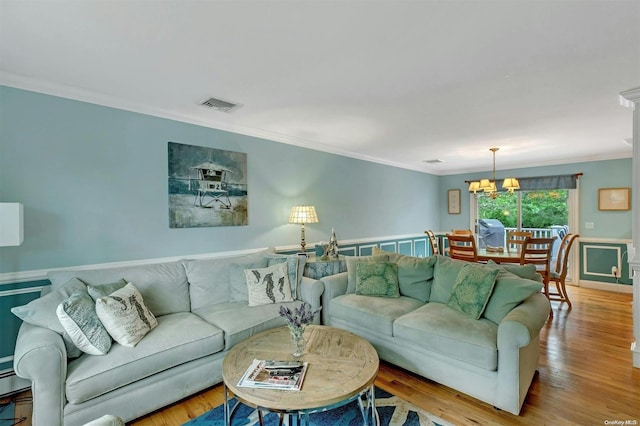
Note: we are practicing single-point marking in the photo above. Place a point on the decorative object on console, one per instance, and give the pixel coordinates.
(332, 250)
(297, 320)
(489, 185)
(303, 215)
(11, 224)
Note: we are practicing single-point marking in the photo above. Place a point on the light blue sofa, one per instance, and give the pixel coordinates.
(493, 360)
(202, 311)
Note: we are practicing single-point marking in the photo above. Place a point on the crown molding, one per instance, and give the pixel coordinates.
(73, 93)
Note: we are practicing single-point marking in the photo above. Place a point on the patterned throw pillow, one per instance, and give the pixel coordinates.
(125, 316)
(78, 317)
(268, 285)
(472, 289)
(377, 279)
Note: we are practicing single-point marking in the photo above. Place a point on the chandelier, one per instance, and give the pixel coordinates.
(488, 186)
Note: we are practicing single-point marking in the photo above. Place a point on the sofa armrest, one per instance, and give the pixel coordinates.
(310, 291)
(524, 322)
(41, 357)
(334, 286)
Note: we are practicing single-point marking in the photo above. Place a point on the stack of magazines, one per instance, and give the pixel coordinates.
(268, 374)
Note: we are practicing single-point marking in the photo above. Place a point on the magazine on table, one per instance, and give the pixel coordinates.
(269, 374)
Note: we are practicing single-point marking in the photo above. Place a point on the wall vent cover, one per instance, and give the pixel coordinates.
(220, 105)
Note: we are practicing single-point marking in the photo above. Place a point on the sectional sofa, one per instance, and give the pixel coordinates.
(437, 325)
(202, 310)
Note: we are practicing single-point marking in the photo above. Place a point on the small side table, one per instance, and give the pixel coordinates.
(317, 268)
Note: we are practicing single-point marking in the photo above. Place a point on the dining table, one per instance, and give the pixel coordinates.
(499, 256)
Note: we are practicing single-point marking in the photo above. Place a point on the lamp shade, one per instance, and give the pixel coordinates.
(474, 186)
(11, 224)
(303, 214)
(511, 184)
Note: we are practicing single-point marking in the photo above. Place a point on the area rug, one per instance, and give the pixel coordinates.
(393, 411)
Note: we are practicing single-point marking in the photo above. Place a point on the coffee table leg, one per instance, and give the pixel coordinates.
(226, 406)
(369, 412)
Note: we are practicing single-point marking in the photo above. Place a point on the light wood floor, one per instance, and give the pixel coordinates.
(585, 375)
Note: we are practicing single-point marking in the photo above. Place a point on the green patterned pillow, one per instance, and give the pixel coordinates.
(377, 279)
(472, 289)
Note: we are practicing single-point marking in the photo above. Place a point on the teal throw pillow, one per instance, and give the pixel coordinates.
(415, 276)
(352, 261)
(472, 289)
(445, 272)
(96, 291)
(377, 279)
(523, 271)
(509, 291)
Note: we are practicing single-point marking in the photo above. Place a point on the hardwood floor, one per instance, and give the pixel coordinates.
(585, 375)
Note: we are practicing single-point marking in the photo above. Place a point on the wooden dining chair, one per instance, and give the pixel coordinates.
(559, 273)
(537, 251)
(516, 239)
(433, 242)
(462, 232)
(463, 247)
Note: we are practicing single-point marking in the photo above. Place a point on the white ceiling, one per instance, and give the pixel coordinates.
(396, 82)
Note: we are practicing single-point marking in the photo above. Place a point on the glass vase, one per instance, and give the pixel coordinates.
(297, 344)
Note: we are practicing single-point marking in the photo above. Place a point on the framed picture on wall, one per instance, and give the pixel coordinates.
(614, 199)
(453, 201)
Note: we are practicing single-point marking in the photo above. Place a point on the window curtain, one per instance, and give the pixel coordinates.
(549, 182)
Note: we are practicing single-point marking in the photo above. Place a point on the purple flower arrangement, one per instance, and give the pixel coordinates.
(299, 318)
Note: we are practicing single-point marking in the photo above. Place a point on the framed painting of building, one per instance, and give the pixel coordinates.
(207, 187)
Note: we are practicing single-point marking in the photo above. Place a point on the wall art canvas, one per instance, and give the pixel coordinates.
(207, 187)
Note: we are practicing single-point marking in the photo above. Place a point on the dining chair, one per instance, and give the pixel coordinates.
(537, 251)
(559, 273)
(433, 242)
(516, 239)
(463, 247)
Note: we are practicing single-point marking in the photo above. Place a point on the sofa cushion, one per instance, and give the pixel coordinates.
(77, 314)
(472, 289)
(164, 285)
(443, 330)
(178, 338)
(374, 313)
(445, 272)
(96, 291)
(42, 311)
(377, 279)
(352, 261)
(509, 291)
(268, 285)
(240, 321)
(125, 315)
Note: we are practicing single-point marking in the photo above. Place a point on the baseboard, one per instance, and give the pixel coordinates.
(619, 288)
(10, 383)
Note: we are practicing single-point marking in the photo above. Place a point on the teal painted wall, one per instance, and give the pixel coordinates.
(597, 174)
(93, 181)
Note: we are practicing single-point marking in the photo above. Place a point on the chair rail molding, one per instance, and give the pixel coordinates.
(631, 99)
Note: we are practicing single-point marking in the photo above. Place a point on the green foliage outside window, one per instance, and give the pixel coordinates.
(540, 209)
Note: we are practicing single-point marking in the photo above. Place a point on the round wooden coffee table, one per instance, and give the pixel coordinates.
(342, 368)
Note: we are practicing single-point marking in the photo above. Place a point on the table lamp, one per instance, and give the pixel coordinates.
(302, 215)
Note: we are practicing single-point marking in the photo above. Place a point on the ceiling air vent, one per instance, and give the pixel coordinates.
(434, 161)
(220, 105)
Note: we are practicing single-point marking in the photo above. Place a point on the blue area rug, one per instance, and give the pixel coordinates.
(392, 411)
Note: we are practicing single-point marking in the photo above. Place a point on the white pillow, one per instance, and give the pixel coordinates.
(268, 285)
(125, 316)
(78, 317)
